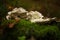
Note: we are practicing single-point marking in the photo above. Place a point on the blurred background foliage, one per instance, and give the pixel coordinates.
(49, 8)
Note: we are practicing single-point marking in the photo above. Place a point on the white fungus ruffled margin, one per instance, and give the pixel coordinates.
(33, 16)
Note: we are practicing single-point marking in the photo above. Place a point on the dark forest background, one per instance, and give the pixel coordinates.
(50, 8)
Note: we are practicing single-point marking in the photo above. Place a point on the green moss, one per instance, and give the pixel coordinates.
(25, 27)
